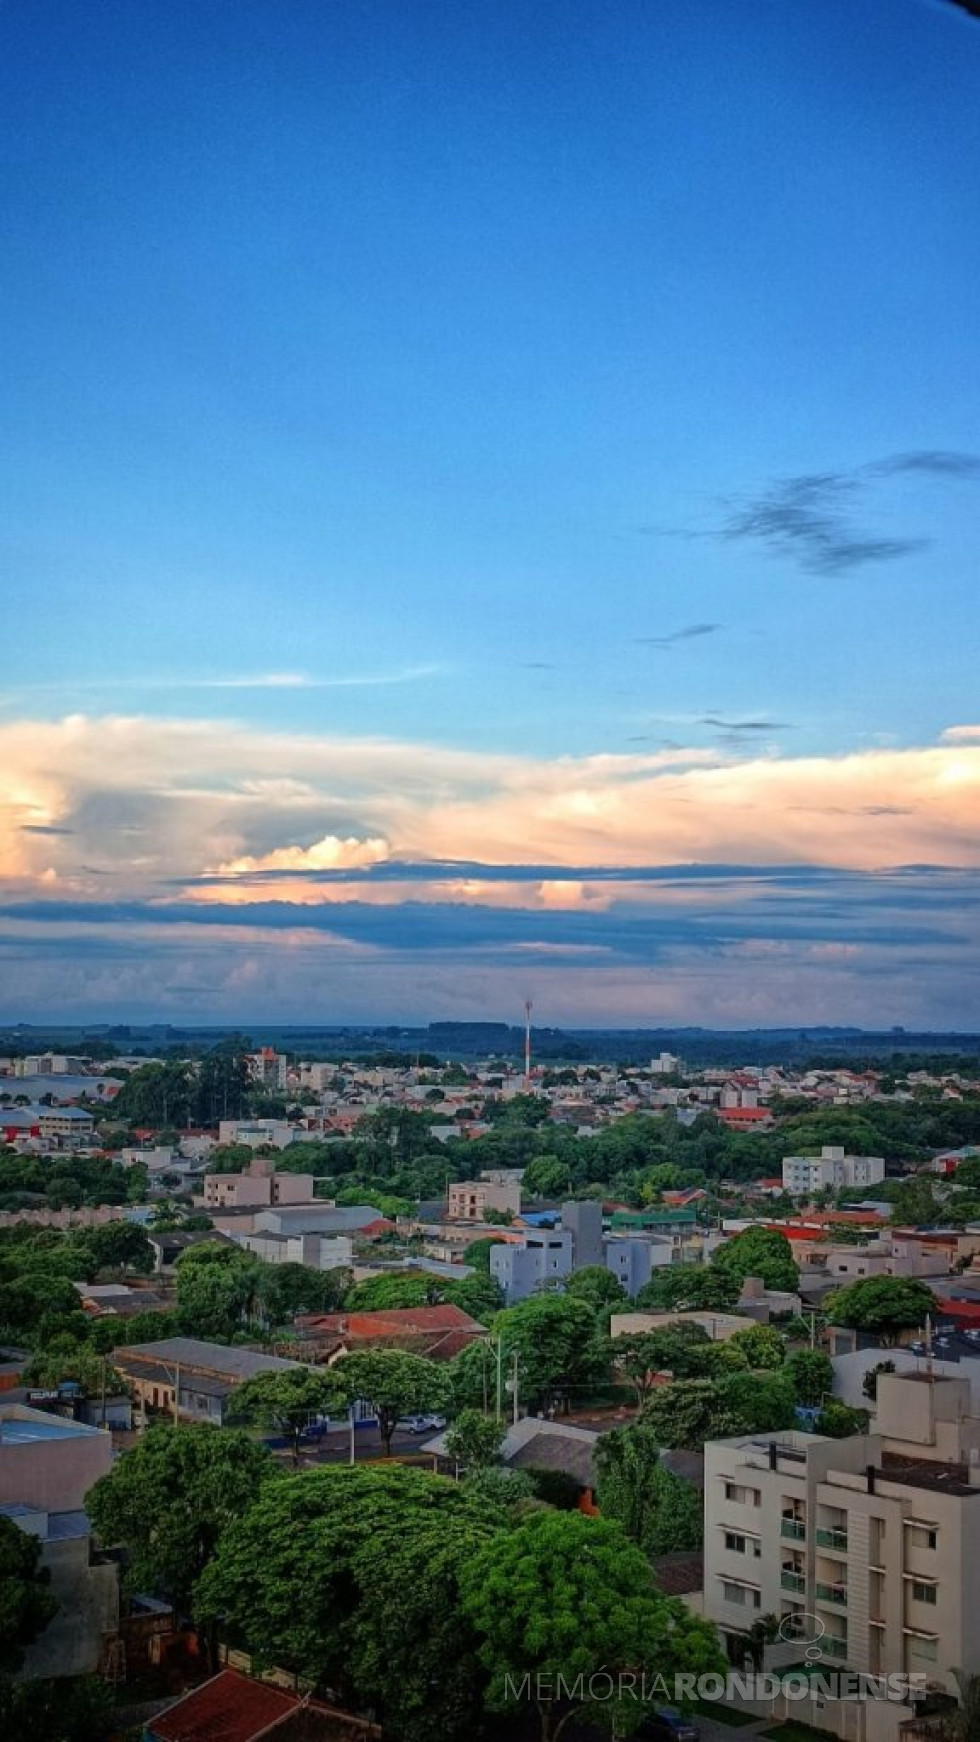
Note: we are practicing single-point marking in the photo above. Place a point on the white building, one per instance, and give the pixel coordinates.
(873, 1541)
(832, 1169)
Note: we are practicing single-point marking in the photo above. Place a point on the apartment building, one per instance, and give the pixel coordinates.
(267, 1069)
(259, 1187)
(469, 1199)
(832, 1169)
(873, 1542)
(522, 1265)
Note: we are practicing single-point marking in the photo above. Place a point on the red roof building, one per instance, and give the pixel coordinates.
(439, 1332)
(233, 1708)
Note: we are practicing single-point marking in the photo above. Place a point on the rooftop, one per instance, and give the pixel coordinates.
(22, 1426)
(198, 1356)
(928, 1474)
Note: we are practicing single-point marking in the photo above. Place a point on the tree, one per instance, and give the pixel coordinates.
(689, 1288)
(65, 1358)
(760, 1344)
(839, 1421)
(69, 1709)
(217, 1288)
(374, 1552)
(286, 1400)
(559, 1352)
(759, 1252)
(563, 1595)
(383, 1293)
(171, 1496)
(812, 1373)
(597, 1286)
(474, 1440)
(116, 1246)
(26, 1603)
(287, 1289)
(882, 1305)
(684, 1350)
(869, 1384)
(394, 1384)
(691, 1411)
(658, 1511)
(512, 1491)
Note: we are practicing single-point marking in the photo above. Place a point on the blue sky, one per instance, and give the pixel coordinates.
(443, 376)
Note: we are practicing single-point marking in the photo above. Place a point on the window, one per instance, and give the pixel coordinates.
(923, 1535)
(742, 1595)
(742, 1496)
(924, 1646)
(735, 1543)
(923, 1593)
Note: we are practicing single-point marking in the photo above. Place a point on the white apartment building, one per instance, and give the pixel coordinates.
(833, 1168)
(258, 1187)
(873, 1541)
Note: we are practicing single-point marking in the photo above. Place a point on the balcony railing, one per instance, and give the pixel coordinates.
(833, 1539)
(794, 1528)
(831, 1594)
(831, 1646)
(792, 1582)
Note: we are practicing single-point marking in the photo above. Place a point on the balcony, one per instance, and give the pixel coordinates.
(835, 1540)
(831, 1594)
(832, 1646)
(794, 1528)
(793, 1582)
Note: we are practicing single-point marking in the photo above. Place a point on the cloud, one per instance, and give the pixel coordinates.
(810, 518)
(815, 517)
(158, 854)
(740, 726)
(268, 680)
(692, 632)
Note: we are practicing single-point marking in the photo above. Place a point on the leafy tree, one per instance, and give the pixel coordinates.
(479, 1295)
(116, 1246)
(812, 1373)
(759, 1252)
(375, 1553)
(478, 1252)
(79, 1709)
(883, 1305)
(384, 1293)
(761, 1345)
(286, 1400)
(474, 1440)
(558, 1350)
(171, 1496)
(657, 1510)
(287, 1289)
(597, 1286)
(689, 1288)
(869, 1384)
(394, 1384)
(26, 1603)
(217, 1288)
(513, 1491)
(684, 1350)
(65, 1358)
(546, 1178)
(691, 1411)
(563, 1595)
(839, 1421)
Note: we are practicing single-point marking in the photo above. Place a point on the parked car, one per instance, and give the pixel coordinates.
(669, 1725)
(422, 1424)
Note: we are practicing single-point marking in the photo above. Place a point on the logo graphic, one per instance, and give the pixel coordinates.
(803, 1629)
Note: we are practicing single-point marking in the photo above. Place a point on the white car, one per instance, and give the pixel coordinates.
(422, 1424)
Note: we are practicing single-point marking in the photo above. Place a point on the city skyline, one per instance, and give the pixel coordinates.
(491, 512)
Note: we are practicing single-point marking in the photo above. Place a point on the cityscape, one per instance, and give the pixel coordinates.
(489, 839)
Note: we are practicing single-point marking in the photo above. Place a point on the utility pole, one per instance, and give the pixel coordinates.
(352, 1455)
(500, 1379)
(517, 1413)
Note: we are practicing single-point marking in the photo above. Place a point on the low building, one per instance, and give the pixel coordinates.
(316, 1251)
(438, 1332)
(200, 1376)
(47, 1466)
(237, 1708)
(469, 1199)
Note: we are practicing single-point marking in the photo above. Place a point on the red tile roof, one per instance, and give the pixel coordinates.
(229, 1708)
(443, 1330)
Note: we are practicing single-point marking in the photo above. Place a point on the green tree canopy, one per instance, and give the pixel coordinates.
(758, 1252)
(394, 1384)
(597, 1286)
(287, 1400)
(563, 1595)
(658, 1511)
(171, 1496)
(691, 1411)
(812, 1373)
(26, 1602)
(559, 1352)
(689, 1288)
(474, 1440)
(883, 1305)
